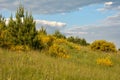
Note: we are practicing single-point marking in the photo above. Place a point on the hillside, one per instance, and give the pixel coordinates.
(36, 65)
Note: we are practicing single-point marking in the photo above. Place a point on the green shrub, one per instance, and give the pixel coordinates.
(103, 45)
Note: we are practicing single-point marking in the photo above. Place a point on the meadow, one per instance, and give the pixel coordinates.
(36, 65)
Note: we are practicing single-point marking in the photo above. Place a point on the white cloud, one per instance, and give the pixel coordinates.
(108, 3)
(50, 26)
(75, 33)
(50, 23)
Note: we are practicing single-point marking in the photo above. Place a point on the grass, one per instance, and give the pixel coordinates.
(35, 65)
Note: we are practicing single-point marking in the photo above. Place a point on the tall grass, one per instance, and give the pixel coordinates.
(35, 65)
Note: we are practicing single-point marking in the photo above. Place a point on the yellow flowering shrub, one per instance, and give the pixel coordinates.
(103, 45)
(58, 51)
(70, 44)
(105, 61)
(73, 46)
(46, 40)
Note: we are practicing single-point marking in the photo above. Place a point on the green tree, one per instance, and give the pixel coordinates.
(77, 40)
(42, 31)
(22, 30)
(13, 31)
(3, 32)
(58, 34)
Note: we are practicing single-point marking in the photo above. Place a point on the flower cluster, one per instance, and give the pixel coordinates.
(70, 44)
(46, 40)
(58, 51)
(105, 61)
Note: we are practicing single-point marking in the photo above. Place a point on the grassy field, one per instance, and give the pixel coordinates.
(35, 65)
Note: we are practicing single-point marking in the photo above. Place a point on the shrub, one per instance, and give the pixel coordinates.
(105, 61)
(45, 41)
(73, 46)
(58, 51)
(67, 43)
(103, 45)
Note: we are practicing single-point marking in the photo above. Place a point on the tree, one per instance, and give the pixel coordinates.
(77, 40)
(22, 30)
(42, 31)
(13, 31)
(3, 32)
(58, 34)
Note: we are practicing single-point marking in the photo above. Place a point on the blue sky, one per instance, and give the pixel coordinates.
(89, 19)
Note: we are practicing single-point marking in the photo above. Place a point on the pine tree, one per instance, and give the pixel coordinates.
(22, 30)
(28, 31)
(2, 28)
(13, 31)
(42, 31)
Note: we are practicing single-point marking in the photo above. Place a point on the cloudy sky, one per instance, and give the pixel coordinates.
(89, 19)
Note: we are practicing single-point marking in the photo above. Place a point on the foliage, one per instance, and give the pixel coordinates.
(3, 33)
(103, 45)
(46, 40)
(58, 51)
(105, 61)
(18, 31)
(60, 47)
(58, 34)
(42, 31)
(69, 44)
(77, 40)
(22, 30)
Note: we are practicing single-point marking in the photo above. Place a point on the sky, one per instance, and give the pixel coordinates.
(89, 19)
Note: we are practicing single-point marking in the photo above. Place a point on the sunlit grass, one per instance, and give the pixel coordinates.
(35, 65)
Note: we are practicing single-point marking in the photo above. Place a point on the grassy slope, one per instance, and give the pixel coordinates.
(35, 65)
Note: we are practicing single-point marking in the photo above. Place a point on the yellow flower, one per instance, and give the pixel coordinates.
(104, 61)
(58, 51)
